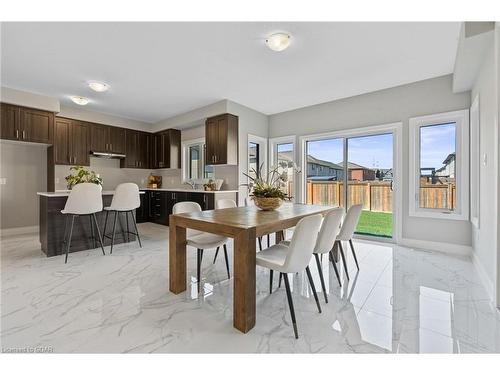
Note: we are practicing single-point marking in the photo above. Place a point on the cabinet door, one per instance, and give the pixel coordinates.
(221, 143)
(199, 198)
(211, 140)
(131, 149)
(62, 142)
(154, 153)
(80, 149)
(143, 150)
(117, 140)
(99, 138)
(37, 126)
(10, 122)
(174, 147)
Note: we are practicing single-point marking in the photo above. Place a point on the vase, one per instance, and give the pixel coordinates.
(267, 204)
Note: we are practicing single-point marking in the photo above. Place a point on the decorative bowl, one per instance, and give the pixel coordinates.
(267, 204)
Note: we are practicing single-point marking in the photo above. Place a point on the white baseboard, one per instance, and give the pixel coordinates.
(442, 247)
(21, 230)
(483, 276)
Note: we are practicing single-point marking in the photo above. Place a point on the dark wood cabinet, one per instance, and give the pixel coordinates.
(221, 140)
(72, 142)
(136, 150)
(142, 214)
(26, 124)
(104, 138)
(166, 150)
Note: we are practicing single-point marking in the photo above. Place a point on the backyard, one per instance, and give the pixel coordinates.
(375, 223)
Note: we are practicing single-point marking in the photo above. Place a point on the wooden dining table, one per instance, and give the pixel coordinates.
(244, 225)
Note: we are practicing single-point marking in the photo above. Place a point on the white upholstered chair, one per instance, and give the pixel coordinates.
(125, 200)
(219, 205)
(293, 258)
(85, 199)
(201, 240)
(347, 231)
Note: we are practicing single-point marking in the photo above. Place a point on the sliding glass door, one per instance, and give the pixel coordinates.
(345, 171)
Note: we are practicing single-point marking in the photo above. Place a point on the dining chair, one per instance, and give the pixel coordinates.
(200, 240)
(293, 258)
(85, 199)
(347, 231)
(125, 200)
(219, 205)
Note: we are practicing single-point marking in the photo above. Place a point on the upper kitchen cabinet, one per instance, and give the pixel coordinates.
(136, 149)
(167, 149)
(26, 124)
(221, 140)
(72, 142)
(108, 139)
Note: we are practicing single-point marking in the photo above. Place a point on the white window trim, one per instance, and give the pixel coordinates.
(184, 164)
(461, 118)
(262, 142)
(396, 129)
(475, 162)
(273, 143)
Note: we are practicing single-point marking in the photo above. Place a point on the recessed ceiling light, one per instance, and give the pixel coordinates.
(278, 42)
(98, 86)
(80, 100)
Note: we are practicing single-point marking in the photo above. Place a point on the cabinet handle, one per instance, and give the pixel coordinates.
(111, 146)
(17, 133)
(24, 134)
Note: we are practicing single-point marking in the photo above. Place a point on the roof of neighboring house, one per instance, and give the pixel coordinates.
(449, 158)
(351, 165)
(287, 155)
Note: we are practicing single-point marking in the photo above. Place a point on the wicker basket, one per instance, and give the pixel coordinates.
(267, 204)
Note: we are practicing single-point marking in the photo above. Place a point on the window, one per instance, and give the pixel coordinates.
(253, 158)
(194, 167)
(284, 155)
(439, 161)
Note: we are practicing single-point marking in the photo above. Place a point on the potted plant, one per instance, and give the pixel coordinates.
(267, 191)
(80, 175)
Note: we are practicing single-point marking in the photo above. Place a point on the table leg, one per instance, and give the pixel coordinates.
(244, 280)
(177, 258)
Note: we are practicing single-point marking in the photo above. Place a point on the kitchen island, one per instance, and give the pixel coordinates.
(52, 223)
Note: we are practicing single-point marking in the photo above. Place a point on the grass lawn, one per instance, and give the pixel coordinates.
(375, 223)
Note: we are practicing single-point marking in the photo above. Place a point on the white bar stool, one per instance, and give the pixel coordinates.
(293, 258)
(200, 240)
(125, 200)
(85, 199)
(347, 231)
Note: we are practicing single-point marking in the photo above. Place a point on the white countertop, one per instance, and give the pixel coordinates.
(180, 190)
(65, 193)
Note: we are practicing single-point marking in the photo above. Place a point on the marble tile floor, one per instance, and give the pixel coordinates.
(401, 301)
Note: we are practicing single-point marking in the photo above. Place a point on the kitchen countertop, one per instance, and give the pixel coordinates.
(181, 190)
(65, 193)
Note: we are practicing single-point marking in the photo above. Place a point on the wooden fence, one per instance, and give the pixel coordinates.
(376, 195)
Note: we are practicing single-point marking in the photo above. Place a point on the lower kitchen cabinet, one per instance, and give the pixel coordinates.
(142, 213)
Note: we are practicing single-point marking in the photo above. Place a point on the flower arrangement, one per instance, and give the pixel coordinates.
(80, 175)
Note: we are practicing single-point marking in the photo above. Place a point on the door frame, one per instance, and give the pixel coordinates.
(273, 143)
(396, 129)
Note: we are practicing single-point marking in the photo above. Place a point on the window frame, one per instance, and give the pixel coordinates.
(461, 120)
(273, 159)
(475, 162)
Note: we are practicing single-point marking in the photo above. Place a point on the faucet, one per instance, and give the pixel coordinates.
(190, 183)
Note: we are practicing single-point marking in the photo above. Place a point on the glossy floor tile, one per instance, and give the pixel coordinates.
(401, 301)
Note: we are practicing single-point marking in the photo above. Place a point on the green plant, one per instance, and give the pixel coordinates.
(270, 185)
(80, 175)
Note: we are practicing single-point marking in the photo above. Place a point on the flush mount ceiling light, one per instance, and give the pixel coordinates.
(80, 100)
(278, 41)
(98, 86)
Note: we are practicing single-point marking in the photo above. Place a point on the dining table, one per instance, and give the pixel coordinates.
(244, 225)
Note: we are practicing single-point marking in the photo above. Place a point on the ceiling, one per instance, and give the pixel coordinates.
(158, 70)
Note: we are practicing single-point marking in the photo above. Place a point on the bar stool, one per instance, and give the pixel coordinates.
(347, 231)
(85, 199)
(219, 205)
(200, 240)
(293, 258)
(125, 200)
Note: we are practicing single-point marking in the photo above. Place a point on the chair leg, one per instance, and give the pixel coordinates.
(136, 230)
(290, 303)
(343, 259)
(114, 229)
(227, 262)
(99, 234)
(123, 229)
(313, 287)
(65, 233)
(268, 241)
(279, 281)
(260, 243)
(216, 253)
(320, 270)
(92, 235)
(69, 238)
(198, 268)
(335, 267)
(271, 274)
(354, 254)
(126, 220)
(105, 224)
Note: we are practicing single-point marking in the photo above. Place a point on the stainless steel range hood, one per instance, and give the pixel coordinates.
(107, 155)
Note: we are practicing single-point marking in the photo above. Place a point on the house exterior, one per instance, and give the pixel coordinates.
(357, 172)
(448, 168)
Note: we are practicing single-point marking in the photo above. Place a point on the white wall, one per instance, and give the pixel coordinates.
(485, 238)
(29, 99)
(24, 168)
(396, 104)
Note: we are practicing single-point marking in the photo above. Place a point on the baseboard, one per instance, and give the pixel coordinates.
(483, 276)
(442, 247)
(21, 230)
